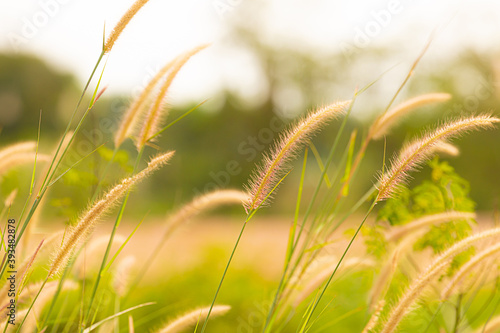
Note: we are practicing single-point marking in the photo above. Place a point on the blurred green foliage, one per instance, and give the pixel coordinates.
(219, 145)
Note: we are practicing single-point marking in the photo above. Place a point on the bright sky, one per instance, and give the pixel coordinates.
(68, 33)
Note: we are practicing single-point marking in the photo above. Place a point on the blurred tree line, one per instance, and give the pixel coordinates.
(220, 147)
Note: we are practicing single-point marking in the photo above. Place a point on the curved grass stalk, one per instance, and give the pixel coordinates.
(192, 318)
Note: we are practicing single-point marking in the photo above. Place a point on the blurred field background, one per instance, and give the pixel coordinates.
(268, 64)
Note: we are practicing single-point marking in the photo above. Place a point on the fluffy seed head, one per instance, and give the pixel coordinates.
(379, 288)
(18, 154)
(446, 148)
(93, 250)
(47, 294)
(323, 274)
(121, 276)
(384, 123)
(118, 29)
(9, 200)
(397, 233)
(91, 217)
(468, 267)
(410, 296)
(419, 150)
(157, 110)
(374, 317)
(437, 266)
(274, 166)
(203, 203)
(191, 318)
(138, 107)
(493, 326)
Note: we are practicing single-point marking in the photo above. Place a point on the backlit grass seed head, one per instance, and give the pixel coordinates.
(9, 200)
(410, 296)
(95, 249)
(419, 150)
(467, 268)
(274, 165)
(157, 110)
(384, 278)
(47, 295)
(374, 317)
(493, 326)
(91, 217)
(424, 222)
(18, 154)
(138, 107)
(203, 203)
(190, 319)
(386, 121)
(118, 29)
(122, 274)
(445, 148)
(22, 147)
(323, 274)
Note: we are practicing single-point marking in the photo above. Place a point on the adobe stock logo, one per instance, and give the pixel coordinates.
(32, 24)
(363, 36)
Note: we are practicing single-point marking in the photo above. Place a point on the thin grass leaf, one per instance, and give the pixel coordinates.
(95, 96)
(350, 154)
(178, 119)
(320, 164)
(36, 155)
(122, 246)
(293, 228)
(74, 165)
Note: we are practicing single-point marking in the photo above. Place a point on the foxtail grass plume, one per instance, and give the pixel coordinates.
(94, 251)
(203, 203)
(93, 214)
(374, 317)
(437, 266)
(492, 326)
(138, 107)
(464, 244)
(418, 151)
(18, 154)
(384, 278)
(397, 233)
(9, 200)
(467, 268)
(131, 324)
(122, 274)
(387, 120)
(323, 274)
(21, 273)
(158, 111)
(118, 29)
(191, 318)
(47, 294)
(274, 165)
(411, 295)
(445, 148)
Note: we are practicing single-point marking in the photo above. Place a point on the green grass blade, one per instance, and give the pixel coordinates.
(74, 165)
(350, 155)
(36, 155)
(116, 315)
(293, 228)
(177, 120)
(122, 246)
(320, 164)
